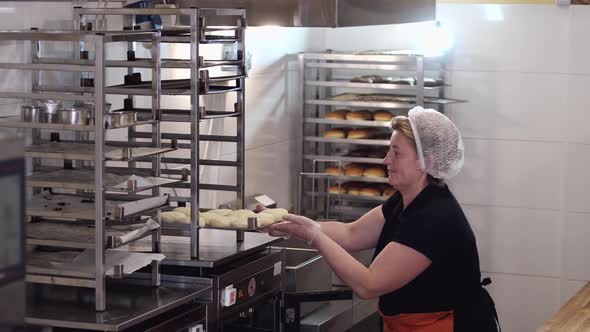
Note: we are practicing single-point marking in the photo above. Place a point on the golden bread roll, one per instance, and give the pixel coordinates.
(389, 191)
(370, 191)
(265, 219)
(337, 189)
(334, 170)
(353, 188)
(382, 116)
(366, 114)
(354, 170)
(223, 212)
(358, 134)
(335, 133)
(336, 115)
(184, 210)
(374, 172)
(358, 115)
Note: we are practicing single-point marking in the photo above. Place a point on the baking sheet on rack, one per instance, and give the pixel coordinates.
(377, 97)
(79, 207)
(85, 234)
(82, 263)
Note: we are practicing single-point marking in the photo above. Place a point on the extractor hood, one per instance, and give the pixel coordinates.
(324, 13)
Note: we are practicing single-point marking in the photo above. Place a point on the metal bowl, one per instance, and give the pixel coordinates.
(74, 116)
(120, 119)
(30, 113)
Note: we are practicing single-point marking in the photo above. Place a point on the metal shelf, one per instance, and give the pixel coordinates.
(63, 235)
(16, 122)
(45, 91)
(370, 104)
(346, 178)
(343, 159)
(66, 206)
(381, 86)
(67, 272)
(358, 198)
(84, 180)
(360, 123)
(347, 141)
(79, 151)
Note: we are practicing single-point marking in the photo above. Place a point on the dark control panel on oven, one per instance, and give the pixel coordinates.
(249, 288)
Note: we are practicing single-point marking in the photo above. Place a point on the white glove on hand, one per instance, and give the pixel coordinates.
(300, 227)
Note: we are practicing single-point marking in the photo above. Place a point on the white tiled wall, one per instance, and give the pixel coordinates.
(524, 70)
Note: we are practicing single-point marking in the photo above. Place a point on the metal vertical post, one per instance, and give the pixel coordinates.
(300, 195)
(195, 117)
(35, 79)
(156, 129)
(99, 164)
(156, 134)
(420, 79)
(241, 99)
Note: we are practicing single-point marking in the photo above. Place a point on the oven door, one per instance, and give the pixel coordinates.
(262, 316)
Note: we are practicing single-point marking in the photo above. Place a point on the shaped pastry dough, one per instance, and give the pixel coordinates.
(173, 217)
(222, 212)
(265, 219)
(184, 210)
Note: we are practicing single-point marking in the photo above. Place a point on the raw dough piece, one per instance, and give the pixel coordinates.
(265, 219)
(184, 210)
(173, 217)
(222, 212)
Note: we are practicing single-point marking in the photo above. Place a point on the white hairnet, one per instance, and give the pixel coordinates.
(438, 141)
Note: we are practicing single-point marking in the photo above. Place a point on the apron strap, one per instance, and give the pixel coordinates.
(485, 282)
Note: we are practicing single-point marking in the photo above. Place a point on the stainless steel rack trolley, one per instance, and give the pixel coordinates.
(342, 93)
(206, 26)
(83, 205)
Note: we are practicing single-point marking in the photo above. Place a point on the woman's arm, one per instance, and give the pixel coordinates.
(358, 235)
(393, 268)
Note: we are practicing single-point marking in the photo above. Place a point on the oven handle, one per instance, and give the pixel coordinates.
(291, 313)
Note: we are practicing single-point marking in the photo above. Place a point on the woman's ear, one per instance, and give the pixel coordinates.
(428, 162)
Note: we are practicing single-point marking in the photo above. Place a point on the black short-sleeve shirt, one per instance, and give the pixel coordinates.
(434, 225)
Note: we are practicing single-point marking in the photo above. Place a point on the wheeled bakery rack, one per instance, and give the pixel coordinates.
(78, 200)
(370, 81)
(203, 78)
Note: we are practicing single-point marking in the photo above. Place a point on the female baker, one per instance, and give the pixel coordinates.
(425, 270)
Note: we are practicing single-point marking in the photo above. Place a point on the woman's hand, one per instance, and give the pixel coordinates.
(300, 227)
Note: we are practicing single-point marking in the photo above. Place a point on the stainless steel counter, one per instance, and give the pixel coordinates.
(216, 247)
(127, 305)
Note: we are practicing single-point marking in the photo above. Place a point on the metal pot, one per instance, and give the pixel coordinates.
(51, 106)
(74, 116)
(120, 119)
(30, 113)
(90, 106)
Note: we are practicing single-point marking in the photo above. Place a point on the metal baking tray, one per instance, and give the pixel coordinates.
(347, 141)
(68, 235)
(346, 178)
(65, 206)
(82, 151)
(84, 180)
(360, 123)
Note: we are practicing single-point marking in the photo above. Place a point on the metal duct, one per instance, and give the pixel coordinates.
(324, 13)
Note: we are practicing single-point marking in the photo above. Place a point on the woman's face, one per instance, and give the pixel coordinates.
(402, 162)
